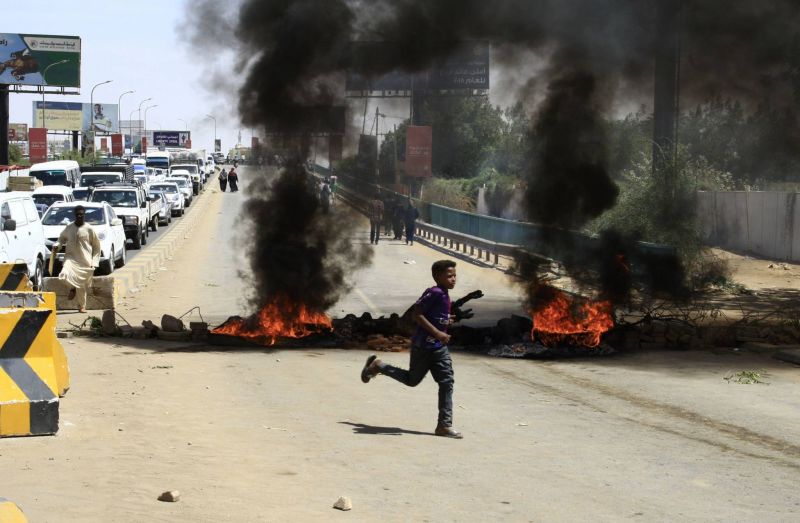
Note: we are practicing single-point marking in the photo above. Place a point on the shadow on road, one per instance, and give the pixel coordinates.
(360, 428)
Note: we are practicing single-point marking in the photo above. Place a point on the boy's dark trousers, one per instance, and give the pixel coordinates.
(374, 231)
(439, 363)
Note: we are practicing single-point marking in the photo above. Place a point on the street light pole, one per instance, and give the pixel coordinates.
(140, 122)
(91, 103)
(44, 84)
(130, 128)
(215, 131)
(145, 116)
(119, 117)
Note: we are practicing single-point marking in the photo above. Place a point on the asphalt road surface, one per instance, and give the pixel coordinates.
(279, 435)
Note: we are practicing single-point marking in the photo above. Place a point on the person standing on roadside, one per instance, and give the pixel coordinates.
(223, 180)
(375, 219)
(233, 180)
(325, 197)
(81, 256)
(410, 219)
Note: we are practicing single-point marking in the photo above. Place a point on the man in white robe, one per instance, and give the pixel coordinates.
(82, 255)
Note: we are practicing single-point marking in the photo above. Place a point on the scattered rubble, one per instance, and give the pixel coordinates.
(343, 503)
(170, 496)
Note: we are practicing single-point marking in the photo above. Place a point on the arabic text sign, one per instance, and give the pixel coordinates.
(27, 59)
(419, 145)
(171, 138)
(37, 146)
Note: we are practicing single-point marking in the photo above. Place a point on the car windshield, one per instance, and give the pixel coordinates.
(140, 178)
(80, 194)
(190, 168)
(181, 182)
(87, 180)
(162, 163)
(52, 177)
(152, 195)
(47, 199)
(115, 198)
(166, 188)
(66, 215)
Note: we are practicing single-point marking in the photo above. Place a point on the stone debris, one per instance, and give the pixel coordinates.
(343, 503)
(109, 322)
(170, 496)
(171, 324)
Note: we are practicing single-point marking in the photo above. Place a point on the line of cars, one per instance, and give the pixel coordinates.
(122, 206)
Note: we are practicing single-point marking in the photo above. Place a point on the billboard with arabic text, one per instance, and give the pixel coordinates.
(49, 60)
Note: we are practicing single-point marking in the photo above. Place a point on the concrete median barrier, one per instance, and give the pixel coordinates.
(103, 293)
(14, 277)
(33, 365)
(11, 513)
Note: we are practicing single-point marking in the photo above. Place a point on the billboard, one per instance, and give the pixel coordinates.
(37, 147)
(467, 68)
(103, 117)
(76, 116)
(171, 138)
(62, 116)
(17, 132)
(419, 142)
(28, 59)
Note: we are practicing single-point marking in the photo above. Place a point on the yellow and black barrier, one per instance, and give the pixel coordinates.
(11, 513)
(33, 365)
(14, 277)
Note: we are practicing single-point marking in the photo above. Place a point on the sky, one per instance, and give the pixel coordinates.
(139, 46)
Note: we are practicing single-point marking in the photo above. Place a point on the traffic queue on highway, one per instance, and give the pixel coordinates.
(124, 200)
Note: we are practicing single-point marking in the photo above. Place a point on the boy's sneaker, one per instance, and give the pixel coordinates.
(448, 432)
(369, 371)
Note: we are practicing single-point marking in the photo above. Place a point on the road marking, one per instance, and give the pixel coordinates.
(369, 303)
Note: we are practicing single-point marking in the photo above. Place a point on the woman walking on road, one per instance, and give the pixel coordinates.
(410, 219)
(223, 180)
(233, 180)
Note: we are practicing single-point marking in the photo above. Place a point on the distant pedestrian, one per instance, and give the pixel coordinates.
(325, 197)
(375, 219)
(398, 212)
(388, 205)
(233, 180)
(223, 180)
(410, 219)
(81, 256)
(429, 350)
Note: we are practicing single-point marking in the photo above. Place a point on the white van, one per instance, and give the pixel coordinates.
(62, 172)
(46, 196)
(22, 235)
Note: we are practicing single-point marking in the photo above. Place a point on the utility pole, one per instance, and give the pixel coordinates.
(4, 116)
(666, 95)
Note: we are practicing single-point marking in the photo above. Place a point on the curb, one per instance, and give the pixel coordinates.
(128, 278)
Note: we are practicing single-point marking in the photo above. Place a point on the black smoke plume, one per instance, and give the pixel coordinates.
(598, 54)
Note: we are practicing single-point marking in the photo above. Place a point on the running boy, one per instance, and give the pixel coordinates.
(428, 346)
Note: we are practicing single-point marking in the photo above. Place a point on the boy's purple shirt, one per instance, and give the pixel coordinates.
(435, 305)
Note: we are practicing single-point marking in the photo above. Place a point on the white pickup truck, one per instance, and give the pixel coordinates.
(130, 202)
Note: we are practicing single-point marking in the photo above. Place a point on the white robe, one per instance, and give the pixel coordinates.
(82, 255)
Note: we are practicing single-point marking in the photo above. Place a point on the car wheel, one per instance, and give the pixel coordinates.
(137, 242)
(123, 259)
(37, 279)
(107, 267)
(144, 236)
(183, 211)
(154, 223)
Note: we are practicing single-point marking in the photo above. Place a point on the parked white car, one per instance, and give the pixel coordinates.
(21, 234)
(105, 222)
(46, 196)
(174, 195)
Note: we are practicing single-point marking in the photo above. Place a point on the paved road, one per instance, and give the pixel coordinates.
(278, 435)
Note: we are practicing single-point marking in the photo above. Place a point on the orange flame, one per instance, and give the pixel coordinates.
(277, 320)
(563, 319)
